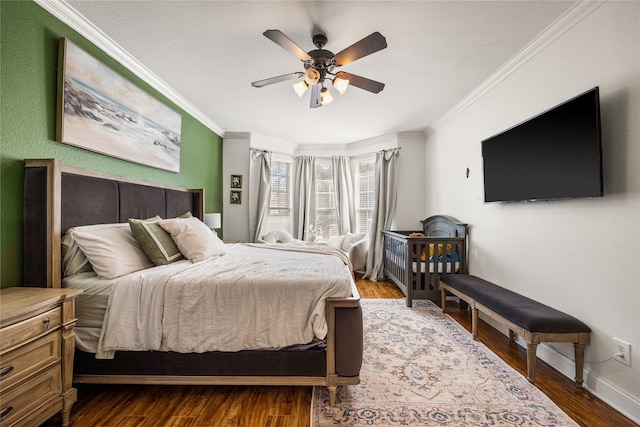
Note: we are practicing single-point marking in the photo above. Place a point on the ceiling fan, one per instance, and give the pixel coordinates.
(320, 63)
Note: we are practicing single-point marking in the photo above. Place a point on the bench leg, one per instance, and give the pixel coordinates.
(531, 362)
(474, 323)
(443, 299)
(579, 353)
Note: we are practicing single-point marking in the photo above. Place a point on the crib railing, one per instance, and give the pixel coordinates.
(415, 264)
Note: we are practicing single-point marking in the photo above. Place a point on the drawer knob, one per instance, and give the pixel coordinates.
(47, 322)
(5, 371)
(4, 412)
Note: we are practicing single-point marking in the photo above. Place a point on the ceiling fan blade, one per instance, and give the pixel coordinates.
(361, 82)
(368, 45)
(287, 44)
(315, 97)
(278, 79)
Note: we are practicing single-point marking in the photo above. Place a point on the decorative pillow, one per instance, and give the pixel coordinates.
(336, 242)
(195, 240)
(111, 249)
(155, 241)
(350, 239)
(278, 236)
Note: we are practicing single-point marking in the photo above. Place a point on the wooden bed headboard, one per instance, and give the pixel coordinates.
(58, 197)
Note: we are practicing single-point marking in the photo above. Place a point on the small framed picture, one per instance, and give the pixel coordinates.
(236, 181)
(236, 197)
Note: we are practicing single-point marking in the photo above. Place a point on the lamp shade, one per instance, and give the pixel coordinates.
(300, 87)
(212, 220)
(325, 96)
(311, 76)
(341, 85)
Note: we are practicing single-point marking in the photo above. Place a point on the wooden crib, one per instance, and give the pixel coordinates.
(416, 262)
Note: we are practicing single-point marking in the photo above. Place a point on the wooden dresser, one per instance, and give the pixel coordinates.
(36, 355)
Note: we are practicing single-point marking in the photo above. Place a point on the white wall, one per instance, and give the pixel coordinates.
(235, 160)
(411, 182)
(581, 256)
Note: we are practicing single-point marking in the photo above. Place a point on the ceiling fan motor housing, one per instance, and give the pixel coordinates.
(319, 40)
(321, 59)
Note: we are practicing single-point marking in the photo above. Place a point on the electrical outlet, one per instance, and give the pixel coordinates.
(620, 346)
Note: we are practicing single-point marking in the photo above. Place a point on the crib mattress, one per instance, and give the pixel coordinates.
(423, 267)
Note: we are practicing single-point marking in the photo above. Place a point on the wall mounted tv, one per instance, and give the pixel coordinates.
(555, 155)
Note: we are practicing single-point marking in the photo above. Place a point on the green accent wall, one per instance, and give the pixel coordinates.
(29, 38)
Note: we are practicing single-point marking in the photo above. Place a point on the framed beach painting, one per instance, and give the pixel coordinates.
(99, 110)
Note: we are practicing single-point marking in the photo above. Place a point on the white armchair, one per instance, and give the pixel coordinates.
(355, 245)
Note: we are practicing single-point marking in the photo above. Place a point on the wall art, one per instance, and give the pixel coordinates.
(236, 197)
(99, 110)
(236, 181)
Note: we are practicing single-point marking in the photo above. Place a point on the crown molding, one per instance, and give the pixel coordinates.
(68, 15)
(237, 135)
(576, 13)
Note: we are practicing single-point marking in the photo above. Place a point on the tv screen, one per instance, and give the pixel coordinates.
(555, 155)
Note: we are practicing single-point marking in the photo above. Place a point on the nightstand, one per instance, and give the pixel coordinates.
(36, 355)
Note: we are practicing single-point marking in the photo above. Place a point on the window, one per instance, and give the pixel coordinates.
(280, 213)
(326, 217)
(365, 195)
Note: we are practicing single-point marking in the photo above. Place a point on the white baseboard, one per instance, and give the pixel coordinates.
(621, 401)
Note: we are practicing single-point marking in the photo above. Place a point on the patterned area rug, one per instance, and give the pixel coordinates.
(422, 368)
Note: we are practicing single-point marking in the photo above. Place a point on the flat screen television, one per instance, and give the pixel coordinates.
(554, 155)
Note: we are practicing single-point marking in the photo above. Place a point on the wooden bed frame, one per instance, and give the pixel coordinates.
(400, 251)
(57, 198)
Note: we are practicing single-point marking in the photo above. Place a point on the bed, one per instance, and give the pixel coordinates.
(58, 198)
(414, 261)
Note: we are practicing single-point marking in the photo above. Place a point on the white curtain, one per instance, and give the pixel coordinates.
(303, 195)
(343, 191)
(259, 192)
(384, 206)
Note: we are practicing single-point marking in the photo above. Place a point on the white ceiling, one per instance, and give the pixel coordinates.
(210, 51)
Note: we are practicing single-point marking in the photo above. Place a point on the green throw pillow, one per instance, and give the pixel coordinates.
(156, 243)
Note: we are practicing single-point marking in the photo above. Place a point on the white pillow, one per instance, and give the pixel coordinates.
(278, 236)
(336, 242)
(350, 239)
(74, 261)
(111, 249)
(195, 240)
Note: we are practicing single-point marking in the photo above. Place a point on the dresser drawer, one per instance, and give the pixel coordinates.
(30, 395)
(30, 328)
(24, 361)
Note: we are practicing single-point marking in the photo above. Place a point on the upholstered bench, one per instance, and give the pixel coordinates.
(533, 321)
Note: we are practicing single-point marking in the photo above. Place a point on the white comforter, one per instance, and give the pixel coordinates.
(254, 297)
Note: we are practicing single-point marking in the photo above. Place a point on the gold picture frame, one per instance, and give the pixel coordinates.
(236, 181)
(235, 197)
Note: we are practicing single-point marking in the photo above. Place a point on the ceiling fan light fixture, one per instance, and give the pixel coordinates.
(311, 76)
(325, 96)
(341, 85)
(300, 87)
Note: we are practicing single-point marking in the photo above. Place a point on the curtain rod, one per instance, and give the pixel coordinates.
(351, 157)
(268, 151)
(374, 152)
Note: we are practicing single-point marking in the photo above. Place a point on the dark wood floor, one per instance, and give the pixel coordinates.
(126, 405)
